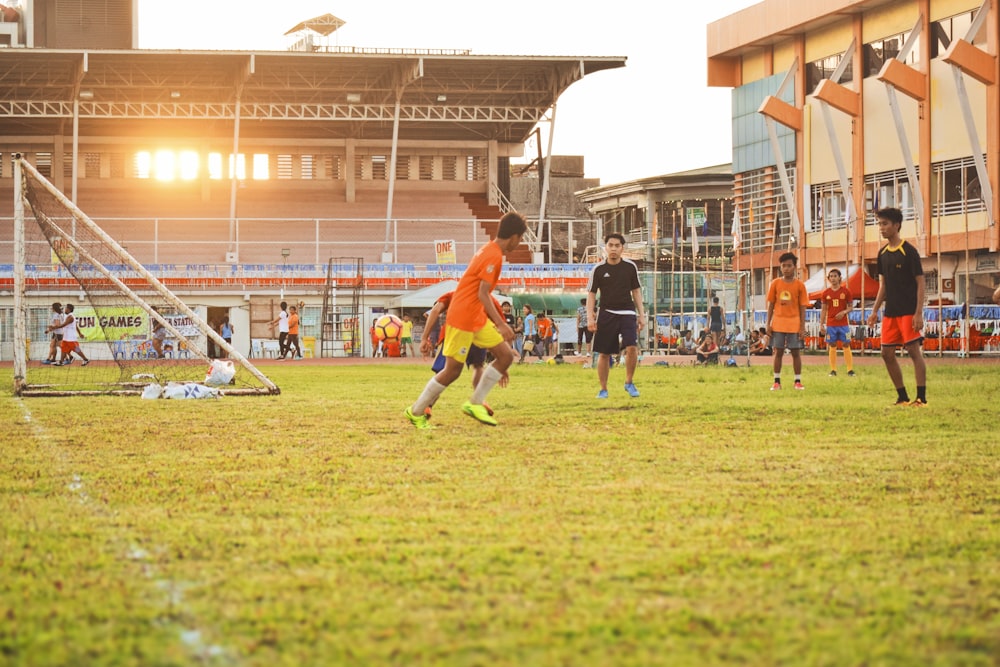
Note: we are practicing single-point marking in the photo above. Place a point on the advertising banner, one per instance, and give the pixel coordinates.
(445, 252)
(125, 322)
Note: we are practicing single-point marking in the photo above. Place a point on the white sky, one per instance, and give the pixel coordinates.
(654, 116)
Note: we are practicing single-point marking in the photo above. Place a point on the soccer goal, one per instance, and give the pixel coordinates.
(132, 329)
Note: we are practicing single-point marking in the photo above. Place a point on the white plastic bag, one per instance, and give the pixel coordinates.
(220, 373)
(183, 390)
(152, 391)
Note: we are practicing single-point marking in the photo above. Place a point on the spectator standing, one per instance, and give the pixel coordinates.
(406, 339)
(71, 338)
(716, 321)
(902, 290)
(226, 333)
(55, 329)
(293, 332)
(519, 337)
(282, 321)
(530, 334)
(159, 334)
(544, 333)
(583, 335)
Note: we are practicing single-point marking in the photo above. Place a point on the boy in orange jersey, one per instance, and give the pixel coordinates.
(474, 319)
(787, 300)
(837, 305)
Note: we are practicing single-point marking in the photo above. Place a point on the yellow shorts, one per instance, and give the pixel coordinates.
(457, 341)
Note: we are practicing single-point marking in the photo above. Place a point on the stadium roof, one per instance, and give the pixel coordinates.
(344, 93)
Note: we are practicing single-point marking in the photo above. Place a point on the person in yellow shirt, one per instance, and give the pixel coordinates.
(406, 339)
(787, 300)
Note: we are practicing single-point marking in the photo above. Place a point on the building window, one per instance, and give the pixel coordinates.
(449, 167)
(945, 31)
(880, 51)
(379, 168)
(955, 187)
(43, 163)
(765, 222)
(821, 69)
(888, 189)
(829, 207)
(284, 164)
(425, 168)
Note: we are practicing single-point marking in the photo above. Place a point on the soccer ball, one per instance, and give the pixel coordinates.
(388, 327)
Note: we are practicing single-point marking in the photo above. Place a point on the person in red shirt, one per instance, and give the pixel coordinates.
(474, 319)
(837, 304)
(787, 300)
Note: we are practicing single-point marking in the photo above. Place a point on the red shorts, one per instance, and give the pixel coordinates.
(68, 346)
(899, 331)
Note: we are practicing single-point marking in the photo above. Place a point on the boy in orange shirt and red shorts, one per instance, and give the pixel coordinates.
(902, 290)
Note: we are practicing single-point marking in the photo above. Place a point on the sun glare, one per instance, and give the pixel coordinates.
(165, 165)
(168, 165)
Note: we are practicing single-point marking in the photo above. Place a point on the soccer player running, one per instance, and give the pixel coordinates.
(474, 319)
(901, 288)
(617, 279)
(787, 300)
(837, 305)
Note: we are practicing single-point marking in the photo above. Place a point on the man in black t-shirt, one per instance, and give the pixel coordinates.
(621, 315)
(901, 288)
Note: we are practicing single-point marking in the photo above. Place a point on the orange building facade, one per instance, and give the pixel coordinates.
(841, 107)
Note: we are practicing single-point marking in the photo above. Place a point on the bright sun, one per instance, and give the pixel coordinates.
(186, 165)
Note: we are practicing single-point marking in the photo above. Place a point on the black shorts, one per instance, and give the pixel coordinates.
(611, 326)
(584, 334)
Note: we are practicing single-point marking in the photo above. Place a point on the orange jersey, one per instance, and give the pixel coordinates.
(466, 311)
(293, 324)
(445, 299)
(787, 297)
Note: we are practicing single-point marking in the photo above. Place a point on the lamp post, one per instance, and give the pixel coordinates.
(285, 252)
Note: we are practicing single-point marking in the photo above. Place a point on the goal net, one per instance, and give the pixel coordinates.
(132, 330)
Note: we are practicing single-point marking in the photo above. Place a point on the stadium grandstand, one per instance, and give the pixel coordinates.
(337, 178)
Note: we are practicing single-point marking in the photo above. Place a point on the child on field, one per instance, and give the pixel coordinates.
(837, 305)
(787, 300)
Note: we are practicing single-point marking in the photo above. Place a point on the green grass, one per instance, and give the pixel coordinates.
(709, 521)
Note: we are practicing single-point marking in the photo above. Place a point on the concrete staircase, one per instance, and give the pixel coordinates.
(489, 216)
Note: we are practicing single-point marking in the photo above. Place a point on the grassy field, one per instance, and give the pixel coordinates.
(709, 521)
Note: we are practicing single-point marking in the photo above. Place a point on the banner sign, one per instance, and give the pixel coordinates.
(695, 216)
(445, 252)
(125, 322)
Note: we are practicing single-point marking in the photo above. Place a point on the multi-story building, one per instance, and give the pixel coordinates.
(841, 107)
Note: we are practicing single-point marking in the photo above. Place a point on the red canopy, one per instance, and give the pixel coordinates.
(817, 284)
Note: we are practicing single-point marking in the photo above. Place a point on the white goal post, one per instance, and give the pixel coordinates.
(114, 287)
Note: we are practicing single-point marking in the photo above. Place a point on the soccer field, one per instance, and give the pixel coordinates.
(709, 521)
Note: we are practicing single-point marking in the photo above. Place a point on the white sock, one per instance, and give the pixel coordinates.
(490, 377)
(428, 396)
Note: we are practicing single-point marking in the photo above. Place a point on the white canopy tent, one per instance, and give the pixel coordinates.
(425, 298)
